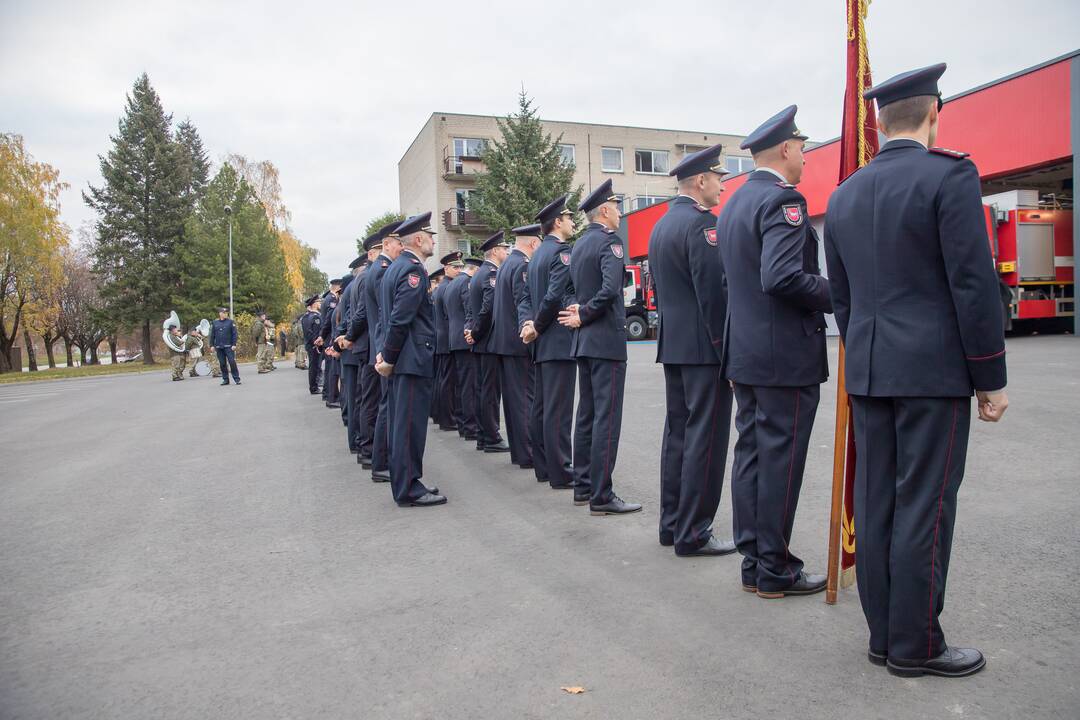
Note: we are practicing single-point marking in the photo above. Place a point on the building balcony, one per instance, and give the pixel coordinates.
(462, 168)
(459, 219)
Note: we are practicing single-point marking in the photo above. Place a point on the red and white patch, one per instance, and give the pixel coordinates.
(793, 215)
(414, 280)
(710, 236)
(616, 250)
(491, 281)
(565, 258)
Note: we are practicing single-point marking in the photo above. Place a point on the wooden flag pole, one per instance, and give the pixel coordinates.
(840, 446)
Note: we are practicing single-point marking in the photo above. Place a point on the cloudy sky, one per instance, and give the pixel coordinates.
(333, 93)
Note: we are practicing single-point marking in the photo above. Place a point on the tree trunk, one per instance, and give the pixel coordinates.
(49, 340)
(31, 356)
(147, 348)
(67, 351)
(82, 353)
(112, 349)
(93, 354)
(6, 347)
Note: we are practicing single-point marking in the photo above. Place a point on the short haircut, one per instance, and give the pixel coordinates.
(906, 115)
(547, 226)
(594, 213)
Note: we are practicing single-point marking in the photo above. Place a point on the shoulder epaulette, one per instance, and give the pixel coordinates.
(700, 208)
(954, 154)
(414, 261)
(784, 185)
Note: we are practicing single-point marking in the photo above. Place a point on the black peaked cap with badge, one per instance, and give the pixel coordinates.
(554, 209)
(912, 83)
(602, 194)
(775, 130)
(358, 262)
(494, 241)
(452, 258)
(312, 300)
(436, 274)
(532, 230)
(475, 262)
(416, 223)
(707, 160)
(373, 240)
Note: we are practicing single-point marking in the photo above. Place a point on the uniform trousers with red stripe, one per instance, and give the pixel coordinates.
(693, 454)
(774, 425)
(598, 426)
(409, 397)
(910, 455)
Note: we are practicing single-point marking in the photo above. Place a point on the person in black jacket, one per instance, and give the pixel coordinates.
(690, 296)
(917, 304)
(515, 361)
(390, 244)
(599, 346)
(310, 326)
(331, 362)
(223, 337)
(447, 403)
(350, 357)
(358, 342)
(478, 320)
(774, 353)
(407, 359)
(456, 300)
(547, 291)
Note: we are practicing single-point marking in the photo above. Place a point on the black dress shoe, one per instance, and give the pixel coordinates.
(334, 405)
(310, 392)
(805, 584)
(876, 658)
(749, 587)
(954, 662)
(525, 465)
(363, 461)
(667, 539)
(224, 382)
(447, 427)
(581, 498)
(565, 486)
(237, 382)
(479, 446)
(354, 451)
(425, 500)
(712, 547)
(434, 489)
(617, 506)
(380, 476)
(468, 436)
(499, 447)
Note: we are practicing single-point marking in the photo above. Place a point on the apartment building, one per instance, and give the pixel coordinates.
(438, 171)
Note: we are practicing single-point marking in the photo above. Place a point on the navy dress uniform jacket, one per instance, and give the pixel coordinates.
(442, 322)
(690, 285)
(507, 319)
(775, 333)
(409, 336)
(917, 308)
(481, 306)
(346, 308)
(549, 290)
(223, 333)
(357, 331)
(596, 270)
(374, 275)
(310, 325)
(455, 300)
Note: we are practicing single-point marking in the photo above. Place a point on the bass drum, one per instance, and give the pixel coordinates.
(202, 368)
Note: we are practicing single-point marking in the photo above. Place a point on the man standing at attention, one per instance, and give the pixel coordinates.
(478, 335)
(917, 305)
(774, 353)
(223, 337)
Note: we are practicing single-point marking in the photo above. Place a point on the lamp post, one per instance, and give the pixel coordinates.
(228, 213)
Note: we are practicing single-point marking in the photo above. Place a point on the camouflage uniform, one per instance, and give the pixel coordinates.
(177, 359)
(211, 357)
(258, 334)
(300, 358)
(195, 353)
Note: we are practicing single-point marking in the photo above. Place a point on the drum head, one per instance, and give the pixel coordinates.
(202, 368)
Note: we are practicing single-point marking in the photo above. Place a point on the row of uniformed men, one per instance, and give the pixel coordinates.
(742, 304)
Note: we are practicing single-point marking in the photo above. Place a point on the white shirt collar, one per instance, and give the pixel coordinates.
(774, 172)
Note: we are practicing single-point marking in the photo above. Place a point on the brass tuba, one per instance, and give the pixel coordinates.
(176, 344)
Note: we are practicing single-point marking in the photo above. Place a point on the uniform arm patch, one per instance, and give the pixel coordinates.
(793, 214)
(710, 236)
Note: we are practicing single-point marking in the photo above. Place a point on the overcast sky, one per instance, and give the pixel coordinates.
(333, 93)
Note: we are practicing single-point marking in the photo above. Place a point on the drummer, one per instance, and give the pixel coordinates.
(195, 350)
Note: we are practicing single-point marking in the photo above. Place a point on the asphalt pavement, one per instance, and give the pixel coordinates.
(184, 550)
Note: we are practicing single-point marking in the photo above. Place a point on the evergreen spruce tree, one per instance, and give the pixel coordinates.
(259, 280)
(374, 224)
(196, 164)
(525, 171)
(141, 206)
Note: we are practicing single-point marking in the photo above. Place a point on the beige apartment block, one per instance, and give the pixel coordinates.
(438, 171)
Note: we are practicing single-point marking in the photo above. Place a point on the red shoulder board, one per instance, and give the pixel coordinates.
(700, 208)
(782, 184)
(954, 154)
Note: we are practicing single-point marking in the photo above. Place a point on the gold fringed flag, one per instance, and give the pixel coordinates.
(858, 144)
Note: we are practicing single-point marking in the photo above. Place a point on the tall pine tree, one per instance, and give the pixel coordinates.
(141, 206)
(195, 162)
(525, 171)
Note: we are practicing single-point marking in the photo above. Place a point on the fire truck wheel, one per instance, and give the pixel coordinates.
(636, 328)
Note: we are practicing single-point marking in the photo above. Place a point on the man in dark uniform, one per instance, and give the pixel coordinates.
(448, 402)
(515, 361)
(689, 284)
(331, 364)
(338, 319)
(223, 337)
(547, 291)
(310, 325)
(359, 335)
(391, 248)
(599, 346)
(774, 353)
(456, 300)
(478, 334)
(917, 305)
(407, 359)
(435, 279)
(350, 357)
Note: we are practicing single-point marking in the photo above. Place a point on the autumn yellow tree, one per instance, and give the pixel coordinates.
(31, 240)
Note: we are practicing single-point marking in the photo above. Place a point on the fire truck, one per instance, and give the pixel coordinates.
(639, 300)
(1032, 244)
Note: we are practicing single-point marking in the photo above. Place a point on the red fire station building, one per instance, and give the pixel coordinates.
(1023, 133)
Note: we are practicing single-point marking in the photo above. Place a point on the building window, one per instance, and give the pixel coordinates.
(611, 159)
(738, 164)
(468, 147)
(651, 162)
(567, 152)
(623, 206)
(463, 199)
(644, 201)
